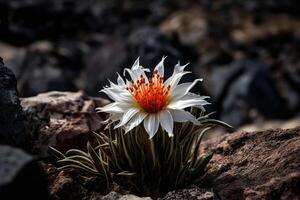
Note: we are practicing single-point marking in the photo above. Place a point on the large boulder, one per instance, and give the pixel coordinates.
(255, 165)
(63, 120)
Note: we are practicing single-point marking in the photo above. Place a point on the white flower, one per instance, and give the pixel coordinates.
(152, 101)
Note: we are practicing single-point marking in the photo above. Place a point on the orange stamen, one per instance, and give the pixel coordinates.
(152, 97)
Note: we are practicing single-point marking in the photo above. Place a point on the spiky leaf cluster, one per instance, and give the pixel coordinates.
(147, 167)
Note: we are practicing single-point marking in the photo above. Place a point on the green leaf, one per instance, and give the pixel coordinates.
(126, 173)
(85, 160)
(56, 153)
(68, 161)
(218, 122)
(99, 163)
(76, 152)
(71, 166)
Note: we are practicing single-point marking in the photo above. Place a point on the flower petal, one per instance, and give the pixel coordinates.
(127, 116)
(183, 89)
(151, 124)
(120, 80)
(117, 93)
(183, 116)
(160, 66)
(188, 102)
(135, 121)
(166, 121)
(110, 108)
(136, 64)
(136, 71)
(131, 73)
(176, 76)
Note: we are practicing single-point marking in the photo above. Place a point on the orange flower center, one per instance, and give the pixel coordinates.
(152, 97)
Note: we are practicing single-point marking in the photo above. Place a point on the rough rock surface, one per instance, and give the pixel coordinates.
(20, 175)
(256, 165)
(63, 120)
(194, 193)
(69, 185)
(63, 185)
(242, 49)
(11, 116)
(118, 196)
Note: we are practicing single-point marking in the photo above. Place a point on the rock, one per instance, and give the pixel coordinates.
(11, 115)
(20, 175)
(50, 67)
(63, 120)
(189, 26)
(252, 90)
(70, 185)
(14, 57)
(255, 165)
(77, 45)
(117, 196)
(102, 64)
(63, 185)
(247, 31)
(150, 45)
(273, 124)
(191, 194)
(244, 87)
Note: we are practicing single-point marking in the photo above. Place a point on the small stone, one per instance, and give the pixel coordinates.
(117, 196)
(194, 193)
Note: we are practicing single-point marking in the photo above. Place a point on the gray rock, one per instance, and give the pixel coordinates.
(50, 67)
(251, 90)
(20, 175)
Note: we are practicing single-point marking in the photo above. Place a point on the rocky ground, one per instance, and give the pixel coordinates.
(246, 51)
(246, 165)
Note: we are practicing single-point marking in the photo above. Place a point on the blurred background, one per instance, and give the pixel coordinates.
(247, 51)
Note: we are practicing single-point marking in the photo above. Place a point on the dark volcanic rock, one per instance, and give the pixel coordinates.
(243, 90)
(11, 116)
(253, 89)
(63, 120)
(256, 165)
(50, 67)
(20, 175)
(150, 45)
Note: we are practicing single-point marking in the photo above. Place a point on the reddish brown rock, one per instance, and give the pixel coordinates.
(63, 185)
(63, 120)
(256, 165)
(70, 185)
